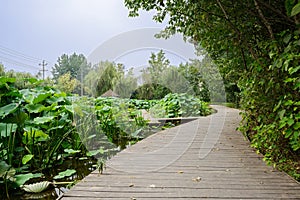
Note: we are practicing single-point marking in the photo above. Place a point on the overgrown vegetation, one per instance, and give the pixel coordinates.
(256, 46)
(36, 128)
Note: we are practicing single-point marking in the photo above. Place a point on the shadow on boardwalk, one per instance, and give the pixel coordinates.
(203, 159)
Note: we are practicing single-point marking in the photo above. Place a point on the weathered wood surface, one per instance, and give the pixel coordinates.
(204, 159)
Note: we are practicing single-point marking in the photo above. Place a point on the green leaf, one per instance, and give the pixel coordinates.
(55, 99)
(288, 80)
(288, 103)
(66, 173)
(290, 122)
(281, 113)
(288, 133)
(69, 108)
(41, 97)
(287, 38)
(19, 118)
(7, 80)
(293, 70)
(26, 158)
(33, 80)
(34, 108)
(95, 152)
(22, 178)
(4, 167)
(6, 110)
(289, 6)
(42, 120)
(34, 134)
(295, 10)
(277, 106)
(71, 151)
(28, 96)
(296, 125)
(6, 171)
(6, 129)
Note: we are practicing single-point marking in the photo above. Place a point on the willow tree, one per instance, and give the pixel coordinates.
(255, 44)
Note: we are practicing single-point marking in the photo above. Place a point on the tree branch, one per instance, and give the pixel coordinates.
(240, 37)
(265, 21)
(268, 6)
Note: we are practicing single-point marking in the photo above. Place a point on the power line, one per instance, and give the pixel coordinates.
(22, 60)
(15, 62)
(18, 54)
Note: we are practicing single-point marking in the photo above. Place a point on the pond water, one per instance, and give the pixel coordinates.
(83, 168)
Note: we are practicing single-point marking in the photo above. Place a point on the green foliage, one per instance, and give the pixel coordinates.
(159, 79)
(118, 121)
(109, 76)
(158, 63)
(74, 64)
(181, 105)
(19, 80)
(277, 133)
(66, 173)
(295, 10)
(198, 86)
(150, 91)
(66, 83)
(105, 80)
(141, 104)
(36, 125)
(22, 178)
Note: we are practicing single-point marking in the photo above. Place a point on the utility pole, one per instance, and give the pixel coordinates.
(43, 64)
(81, 80)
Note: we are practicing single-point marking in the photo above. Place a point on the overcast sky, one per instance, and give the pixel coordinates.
(36, 30)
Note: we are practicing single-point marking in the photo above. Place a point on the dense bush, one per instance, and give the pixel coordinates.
(118, 121)
(180, 105)
(274, 128)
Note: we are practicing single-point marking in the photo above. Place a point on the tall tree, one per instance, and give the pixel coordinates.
(76, 65)
(157, 64)
(153, 78)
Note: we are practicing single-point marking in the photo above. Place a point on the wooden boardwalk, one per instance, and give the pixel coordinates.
(203, 159)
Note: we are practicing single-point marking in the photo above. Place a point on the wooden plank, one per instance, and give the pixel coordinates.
(170, 165)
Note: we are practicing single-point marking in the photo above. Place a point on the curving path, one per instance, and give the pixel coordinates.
(203, 159)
